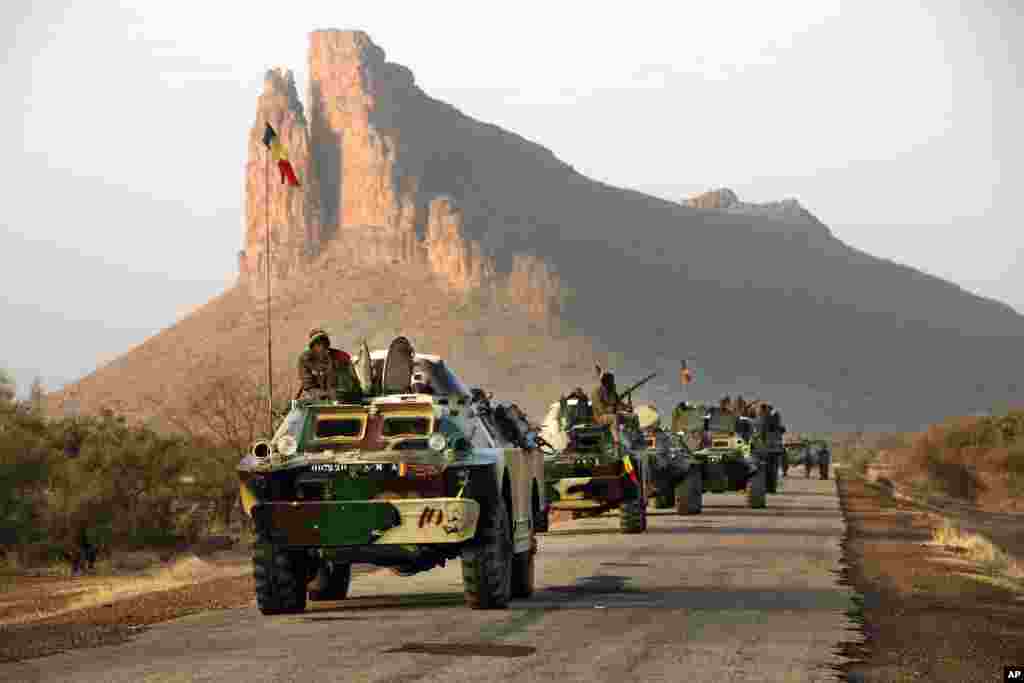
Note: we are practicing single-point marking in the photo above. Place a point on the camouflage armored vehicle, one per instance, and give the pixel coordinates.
(670, 457)
(796, 454)
(818, 453)
(732, 457)
(420, 472)
(586, 473)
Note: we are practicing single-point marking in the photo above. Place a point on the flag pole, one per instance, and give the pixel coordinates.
(270, 372)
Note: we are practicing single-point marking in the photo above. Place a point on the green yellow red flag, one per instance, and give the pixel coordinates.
(685, 376)
(627, 465)
(280, 154)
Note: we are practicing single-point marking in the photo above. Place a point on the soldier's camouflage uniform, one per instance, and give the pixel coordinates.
(605, 406)
(327, 376)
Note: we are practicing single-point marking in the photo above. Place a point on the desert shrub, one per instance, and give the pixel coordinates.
(124, 486)
(968, 458)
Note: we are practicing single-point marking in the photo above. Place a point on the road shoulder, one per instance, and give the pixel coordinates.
(927, 612)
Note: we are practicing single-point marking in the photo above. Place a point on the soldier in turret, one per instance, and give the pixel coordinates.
(324, 372)
(605, 403)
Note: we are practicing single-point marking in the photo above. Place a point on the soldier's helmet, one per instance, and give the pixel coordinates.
(316, 334)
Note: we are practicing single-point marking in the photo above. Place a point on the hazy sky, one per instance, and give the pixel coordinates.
(895, 122)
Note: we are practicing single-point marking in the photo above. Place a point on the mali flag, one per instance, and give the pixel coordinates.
(685, 376)
(280, 156)
(627, 465)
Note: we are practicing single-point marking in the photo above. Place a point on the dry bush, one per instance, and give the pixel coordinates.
(977, 459)
(978, 549)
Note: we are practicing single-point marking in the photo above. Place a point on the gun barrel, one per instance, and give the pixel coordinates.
(645, 380)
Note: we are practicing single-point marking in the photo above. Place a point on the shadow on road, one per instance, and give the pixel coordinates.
(602, 595)
(698, 528)
(815, 512)
(409, 601)
(465, 649)
(805, 493)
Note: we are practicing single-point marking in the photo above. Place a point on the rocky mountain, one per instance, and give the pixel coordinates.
(454, 221)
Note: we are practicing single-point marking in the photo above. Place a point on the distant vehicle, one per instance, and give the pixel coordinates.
(670, 457)
(818, 453)
(733, 457)
(810, 453)
(403, 479)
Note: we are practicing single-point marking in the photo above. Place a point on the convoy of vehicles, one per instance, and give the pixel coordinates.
(422, 470)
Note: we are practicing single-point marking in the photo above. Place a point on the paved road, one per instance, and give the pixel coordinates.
(733, 594)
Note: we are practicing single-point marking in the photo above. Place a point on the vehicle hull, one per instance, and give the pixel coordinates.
(329, 524)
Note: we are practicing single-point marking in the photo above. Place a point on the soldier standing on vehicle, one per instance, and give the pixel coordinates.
(325, 372)
(605, 404)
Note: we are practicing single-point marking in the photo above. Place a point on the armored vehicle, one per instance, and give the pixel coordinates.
(796, 454)
(586, 473)
(418, 472)
(818, 453)
(670, 457)
(733, 457)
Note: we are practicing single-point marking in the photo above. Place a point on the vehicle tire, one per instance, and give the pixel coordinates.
(690, 493)
(541, 518)
(772, 474)
(335, 580)
(757, 489)
(280, 579)
(633, 516)
(487, 561)
(523, 570)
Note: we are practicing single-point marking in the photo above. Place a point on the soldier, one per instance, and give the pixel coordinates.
(725, 405)
(740, 407)
(325, 372)
(680, 423)
(605, 403)
(578, 393)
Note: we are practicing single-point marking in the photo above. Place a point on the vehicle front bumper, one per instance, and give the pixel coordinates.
(414, 521)
(582, 493)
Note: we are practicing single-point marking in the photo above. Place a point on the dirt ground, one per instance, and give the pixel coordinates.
(927, 614)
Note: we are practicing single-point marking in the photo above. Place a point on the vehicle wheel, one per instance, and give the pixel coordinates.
(772, 473)
(758, 487)
(541, 518)
(279, 576)
(523, 566)
(487, 561)
(334, 580)
(633, 516)
(690, 493)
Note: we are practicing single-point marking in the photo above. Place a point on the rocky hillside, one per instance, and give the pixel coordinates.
(405, 199)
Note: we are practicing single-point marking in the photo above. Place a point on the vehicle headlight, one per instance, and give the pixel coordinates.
(437, 442)
(287, 445)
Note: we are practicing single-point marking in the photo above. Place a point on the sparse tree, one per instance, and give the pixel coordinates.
(227, 413)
